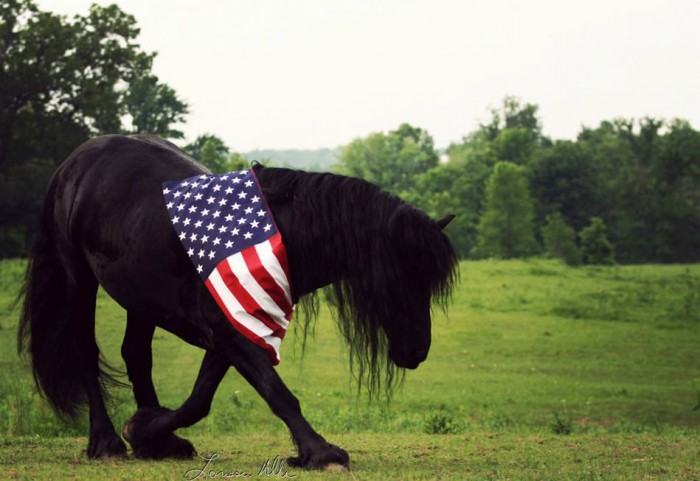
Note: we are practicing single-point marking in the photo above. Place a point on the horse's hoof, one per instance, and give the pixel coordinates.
(106, 445)
(143, 425)
(328, 457)
(170, 446)
(336, 468)
(149, 441)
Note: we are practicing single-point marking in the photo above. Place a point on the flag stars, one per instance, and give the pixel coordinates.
(211, 211)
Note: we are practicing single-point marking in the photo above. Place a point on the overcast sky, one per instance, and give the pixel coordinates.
(319, 73)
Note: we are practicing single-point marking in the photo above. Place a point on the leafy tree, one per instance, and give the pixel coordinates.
(514, 131)
(392, 161)
(154, 108)
(214, 154)
(566, 179)
(651, 170)
(61, 82)
(195, 147)
(237, 161)
(454, 188)
(560, 240)
(506, 228)
(595, 246)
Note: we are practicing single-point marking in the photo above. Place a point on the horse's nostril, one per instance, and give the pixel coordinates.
(420, 353)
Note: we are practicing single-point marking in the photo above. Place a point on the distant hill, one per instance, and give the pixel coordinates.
(315, 160)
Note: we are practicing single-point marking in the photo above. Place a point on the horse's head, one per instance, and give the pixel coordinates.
(399, 263)
(420, 267)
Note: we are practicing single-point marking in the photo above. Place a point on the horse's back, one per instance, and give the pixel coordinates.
(108, 205)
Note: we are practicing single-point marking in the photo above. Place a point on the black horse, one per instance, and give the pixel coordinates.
(104, 222)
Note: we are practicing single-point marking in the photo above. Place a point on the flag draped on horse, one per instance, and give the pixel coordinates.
(233, 242)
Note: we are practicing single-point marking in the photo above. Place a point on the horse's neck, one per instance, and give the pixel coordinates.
(319, 257)
(325, 239)
(315, 263)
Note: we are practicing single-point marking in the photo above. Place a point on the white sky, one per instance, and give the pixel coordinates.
(319, 73)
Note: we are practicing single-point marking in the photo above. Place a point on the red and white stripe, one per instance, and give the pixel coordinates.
(252, 288)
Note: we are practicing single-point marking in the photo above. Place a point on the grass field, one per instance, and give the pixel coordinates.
(539, 371)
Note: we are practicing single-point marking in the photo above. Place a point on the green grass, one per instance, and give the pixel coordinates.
(539, 371)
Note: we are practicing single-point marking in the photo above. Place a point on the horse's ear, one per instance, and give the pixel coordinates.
(442, 223)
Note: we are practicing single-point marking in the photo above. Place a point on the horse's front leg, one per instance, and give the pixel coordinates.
(255, 366)
(150, 431)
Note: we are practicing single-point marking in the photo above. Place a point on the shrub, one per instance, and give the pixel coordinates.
(560, 240)
(595, 246)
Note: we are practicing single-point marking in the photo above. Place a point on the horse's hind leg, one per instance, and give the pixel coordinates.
(150, 431)
(103, 439)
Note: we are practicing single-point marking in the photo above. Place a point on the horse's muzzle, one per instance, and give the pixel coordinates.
(411, 359)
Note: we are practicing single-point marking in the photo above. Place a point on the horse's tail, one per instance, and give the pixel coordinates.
(57, 324)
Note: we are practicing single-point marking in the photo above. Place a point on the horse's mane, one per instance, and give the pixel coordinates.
(379, 238)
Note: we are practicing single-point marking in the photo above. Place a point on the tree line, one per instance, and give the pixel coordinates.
(624, 191)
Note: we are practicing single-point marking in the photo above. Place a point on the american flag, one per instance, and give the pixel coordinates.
(231, 238)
